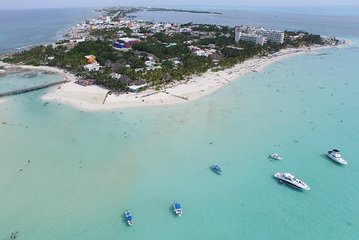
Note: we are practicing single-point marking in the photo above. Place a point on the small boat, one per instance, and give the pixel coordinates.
(337, 157)
(291, 180)
(128, 217)
(177, 208)
(216, 169)
(276, 156)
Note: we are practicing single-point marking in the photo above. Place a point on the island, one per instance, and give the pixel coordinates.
(180, 10)
(118, 61)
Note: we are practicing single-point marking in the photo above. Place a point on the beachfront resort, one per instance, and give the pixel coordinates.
(123, 54)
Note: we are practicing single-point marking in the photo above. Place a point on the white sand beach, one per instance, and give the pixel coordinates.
(95, 98)
(92, 98)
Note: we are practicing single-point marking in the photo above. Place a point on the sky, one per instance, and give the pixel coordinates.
(21, 4)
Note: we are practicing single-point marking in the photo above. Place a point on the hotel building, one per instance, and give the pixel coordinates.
(258, 35)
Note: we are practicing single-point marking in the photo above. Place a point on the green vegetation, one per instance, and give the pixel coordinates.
(102, 50)
(160, 50)
(162, 58)
(104, 34)
(117, 13)
(213, 28)
(36, 56)
(302, 38)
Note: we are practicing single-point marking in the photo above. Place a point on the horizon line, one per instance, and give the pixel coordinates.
(179, 7)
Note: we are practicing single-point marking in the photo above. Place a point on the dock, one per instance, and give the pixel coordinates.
(31, 89)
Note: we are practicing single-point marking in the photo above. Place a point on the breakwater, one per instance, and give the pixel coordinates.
(31, 89)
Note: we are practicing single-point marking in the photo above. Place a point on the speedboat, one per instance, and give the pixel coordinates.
(335, 156)
(275, 156)
(288, 178)
(177, 208)
(216, 169)
(128, 217)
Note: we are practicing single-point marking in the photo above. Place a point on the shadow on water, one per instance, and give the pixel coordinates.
(170, 209)
(211, 170)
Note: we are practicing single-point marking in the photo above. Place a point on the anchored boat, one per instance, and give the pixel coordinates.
(128, 217)
(276, 156)
(216, 169)
(291, 180)
(337, 157)
(177, 208)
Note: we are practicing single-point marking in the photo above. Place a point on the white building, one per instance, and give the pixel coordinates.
(137, 88)
(258, 35)
(257, 39)
(92, 67)
(115, 76)
(108, 19)
(273, 36)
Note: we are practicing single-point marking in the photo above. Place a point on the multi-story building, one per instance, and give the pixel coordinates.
(258, 35)
(273, 35)
(257, 39)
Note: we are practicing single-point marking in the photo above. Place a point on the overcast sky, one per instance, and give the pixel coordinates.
(6, 4)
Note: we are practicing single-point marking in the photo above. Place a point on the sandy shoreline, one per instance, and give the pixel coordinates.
(92, 98)
(95, 98)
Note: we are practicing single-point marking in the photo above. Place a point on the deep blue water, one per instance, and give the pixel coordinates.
(343, 10)
(342, 24)
(23, 28)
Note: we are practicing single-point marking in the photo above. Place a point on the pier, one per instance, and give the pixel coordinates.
(31, 89)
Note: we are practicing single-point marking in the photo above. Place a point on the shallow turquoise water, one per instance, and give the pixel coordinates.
(86, 168)
(25, 79)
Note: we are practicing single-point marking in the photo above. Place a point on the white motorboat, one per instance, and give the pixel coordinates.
(276, 156)
(291, 180)
(337, 157)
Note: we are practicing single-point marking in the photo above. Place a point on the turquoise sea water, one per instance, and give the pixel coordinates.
(25, 79)
(86, 168)
(337, 21)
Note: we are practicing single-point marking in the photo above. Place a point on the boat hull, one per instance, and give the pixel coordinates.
(177, 209)
(283, 180)
(275, 157)
(216, 169)
(337, 160)
(128, 217)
